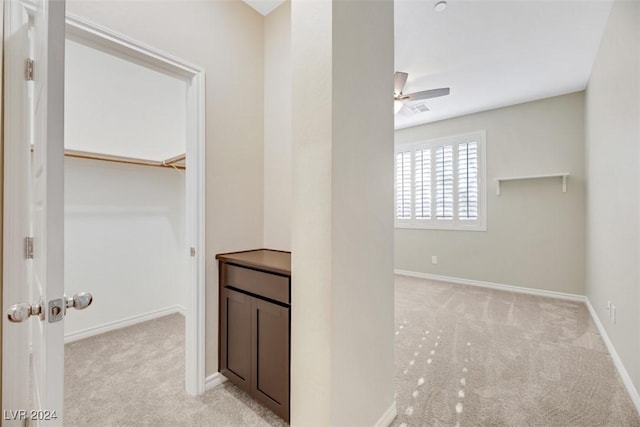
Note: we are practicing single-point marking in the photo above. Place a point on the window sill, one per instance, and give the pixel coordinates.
(444, 227)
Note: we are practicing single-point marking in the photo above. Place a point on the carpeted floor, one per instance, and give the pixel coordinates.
(465, 356)
(468, 356)
(135, 376)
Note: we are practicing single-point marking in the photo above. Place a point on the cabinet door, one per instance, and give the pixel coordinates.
(236, 340)
(270, 382)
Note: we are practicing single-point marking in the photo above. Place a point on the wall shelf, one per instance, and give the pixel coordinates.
(563, 176)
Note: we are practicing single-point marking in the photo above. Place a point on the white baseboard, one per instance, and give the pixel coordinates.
(181, 310)
(490, 285)
(122, 323)
(389, 415)
(214, 380)
(626, 379)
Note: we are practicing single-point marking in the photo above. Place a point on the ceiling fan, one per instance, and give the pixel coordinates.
(400, 99)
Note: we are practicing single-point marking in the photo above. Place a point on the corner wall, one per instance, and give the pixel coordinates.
(277, 128)
(362, 214)
(226, 39)
(613, 197)
(342, 219)
(535, 232)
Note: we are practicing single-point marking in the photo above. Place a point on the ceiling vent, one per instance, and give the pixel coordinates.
(421, 108)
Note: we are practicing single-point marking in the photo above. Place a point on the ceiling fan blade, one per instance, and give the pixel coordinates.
(426, 94)
(399, 80)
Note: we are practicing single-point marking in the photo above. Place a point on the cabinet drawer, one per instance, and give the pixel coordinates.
(259, 283)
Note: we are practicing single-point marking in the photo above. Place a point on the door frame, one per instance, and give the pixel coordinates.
(1, 189)
(105, 40)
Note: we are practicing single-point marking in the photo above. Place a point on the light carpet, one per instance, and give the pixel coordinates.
(135, 376)
(464, 356)
(468, 356)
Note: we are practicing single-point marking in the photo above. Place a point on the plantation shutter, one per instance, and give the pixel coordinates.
(403, 185)
(444, 182)
(468, 181)
(440, 184)
(423, 183)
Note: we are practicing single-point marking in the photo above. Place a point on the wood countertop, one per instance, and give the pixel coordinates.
(278, 262)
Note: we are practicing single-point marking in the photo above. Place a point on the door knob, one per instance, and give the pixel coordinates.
(79, 301)
(20, 312)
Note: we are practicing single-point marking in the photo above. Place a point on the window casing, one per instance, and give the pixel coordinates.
(441, 184)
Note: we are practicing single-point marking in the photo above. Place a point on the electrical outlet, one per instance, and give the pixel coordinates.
(613, 314)
(434, 259)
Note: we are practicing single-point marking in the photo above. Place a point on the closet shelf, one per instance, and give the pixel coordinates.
(176, 162)
(563, 176)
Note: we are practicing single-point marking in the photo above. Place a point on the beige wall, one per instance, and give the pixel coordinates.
(613, 198)
(342, 298)
(311, 214)
(226, 38)
(535, 233)
(277, 128)
(1, 184)
(362, 181)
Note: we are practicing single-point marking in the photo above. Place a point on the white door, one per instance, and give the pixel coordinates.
(33, 206)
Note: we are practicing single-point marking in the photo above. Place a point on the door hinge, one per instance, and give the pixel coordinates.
(193, 251)
(28, 247)
(28, 69)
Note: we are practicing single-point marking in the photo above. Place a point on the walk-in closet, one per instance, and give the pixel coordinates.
(125, 233)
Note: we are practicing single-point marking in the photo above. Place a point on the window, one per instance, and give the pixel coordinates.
(440, 183)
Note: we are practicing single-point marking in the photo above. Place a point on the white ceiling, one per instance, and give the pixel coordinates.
(264, 7)
(495, 53)
(491, 53)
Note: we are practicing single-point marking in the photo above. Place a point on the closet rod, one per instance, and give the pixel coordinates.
(175, 159)
(130, 160)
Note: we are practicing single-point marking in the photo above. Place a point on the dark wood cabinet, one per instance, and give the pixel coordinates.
(255, 293)
(270, 380)
(236, 338)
